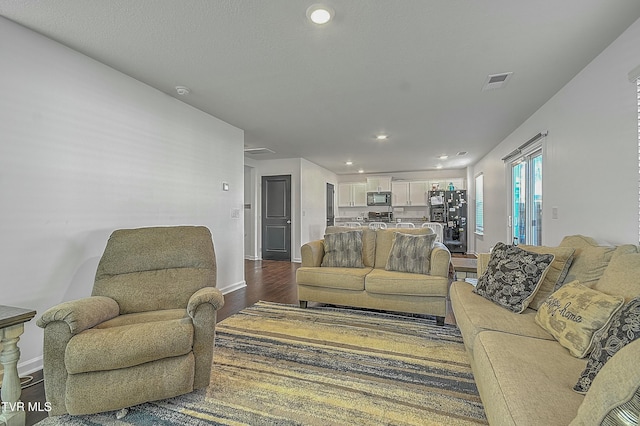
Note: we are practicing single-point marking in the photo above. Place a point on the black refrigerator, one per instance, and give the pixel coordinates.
(450, 209)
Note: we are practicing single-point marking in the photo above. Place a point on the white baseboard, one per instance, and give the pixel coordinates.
(252, 258)
(232, 287)
(297, 260)
(29, 366)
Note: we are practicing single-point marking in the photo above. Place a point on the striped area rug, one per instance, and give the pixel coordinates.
(281, 365)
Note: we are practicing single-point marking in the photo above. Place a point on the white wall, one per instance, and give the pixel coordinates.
(290, 166)
(313, 200)
(85, 150)
(590, 170)
(308, 197)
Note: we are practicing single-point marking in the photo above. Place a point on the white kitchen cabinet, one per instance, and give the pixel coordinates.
(352, 194)
(378, 184)
(409, 193)
(418, 192)
(400, 194)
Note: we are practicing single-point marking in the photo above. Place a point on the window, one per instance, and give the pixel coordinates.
(638, 95)
(526, 196)
(480, 204)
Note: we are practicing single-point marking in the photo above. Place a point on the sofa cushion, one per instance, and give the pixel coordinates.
(380, 281)
(343, 249)
(340, 278)
(574, 313)
(623, 329)
(590, 259)
(475, 314)
(620, 278)
(525, 381)
(384, 241)
(148, 337)
(368, 242)
(513, 276)
(563, 256)
(410, 253)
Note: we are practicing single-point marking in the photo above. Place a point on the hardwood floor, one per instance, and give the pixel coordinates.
(268, 280)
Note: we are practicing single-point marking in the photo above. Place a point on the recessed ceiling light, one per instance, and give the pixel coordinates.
(443, 157)
(349, 163)
(382, 137)
(319, 14)
(360, 171)
(439, 166)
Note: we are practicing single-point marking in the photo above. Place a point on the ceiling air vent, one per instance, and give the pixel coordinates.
(253, 151)
(496, 81)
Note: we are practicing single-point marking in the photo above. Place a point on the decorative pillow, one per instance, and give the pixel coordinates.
(513, 276)
(410, 253)
(368, 242)
(574, 313)
(563, 256)
(623, 329)
(343, 249)
(621, 276)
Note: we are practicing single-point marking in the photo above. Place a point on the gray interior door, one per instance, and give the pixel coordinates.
(330, 204)
(276, 217)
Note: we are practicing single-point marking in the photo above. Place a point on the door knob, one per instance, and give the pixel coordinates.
(289, 222)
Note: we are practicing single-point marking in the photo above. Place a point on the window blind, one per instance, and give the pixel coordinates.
(522, 148)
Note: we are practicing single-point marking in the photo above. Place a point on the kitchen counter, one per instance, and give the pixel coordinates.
(416, 221)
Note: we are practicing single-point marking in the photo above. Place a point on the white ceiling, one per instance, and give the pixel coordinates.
(411, 68)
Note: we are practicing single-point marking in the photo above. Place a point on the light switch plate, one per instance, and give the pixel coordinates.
(225, 186)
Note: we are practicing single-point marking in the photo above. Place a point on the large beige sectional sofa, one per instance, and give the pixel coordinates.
(372, 286)
(524, 375)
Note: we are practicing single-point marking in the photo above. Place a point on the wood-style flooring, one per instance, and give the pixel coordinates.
(268, 280)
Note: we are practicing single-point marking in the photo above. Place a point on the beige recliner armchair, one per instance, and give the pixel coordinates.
(147, 331)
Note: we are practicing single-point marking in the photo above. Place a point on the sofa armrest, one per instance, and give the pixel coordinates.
(613, 390)
(440, 259)
(205, 295)
(483, 262)
(81, 314)
(312, 253)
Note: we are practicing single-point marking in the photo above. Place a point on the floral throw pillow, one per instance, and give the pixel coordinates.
(513, 276)
(343, 249)
(623, 329)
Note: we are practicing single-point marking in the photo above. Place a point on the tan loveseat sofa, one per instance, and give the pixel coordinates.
(372, 286)
(525, 376)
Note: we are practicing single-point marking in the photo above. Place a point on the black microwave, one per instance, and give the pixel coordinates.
(378, 198)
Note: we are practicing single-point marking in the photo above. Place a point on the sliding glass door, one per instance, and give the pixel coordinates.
(526, 196)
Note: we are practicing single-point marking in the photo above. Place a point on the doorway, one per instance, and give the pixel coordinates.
(330, 204)
(276, 217)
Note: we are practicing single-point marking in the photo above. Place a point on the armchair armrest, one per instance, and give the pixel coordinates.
(440, 259)
(205, 295)
(81, 314)
(202, 308)
(312, 253)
